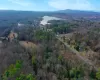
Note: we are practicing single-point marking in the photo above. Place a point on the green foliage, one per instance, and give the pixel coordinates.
(33, 60)
(48, 49)
(92, 74)
(12, 70)
(18, 64)
(62, 29)
(26, 77)
(21, 77)
(76, 73)
(41, 35)
(98, 75)
(77, 47)
(60, 57)
(30, 77)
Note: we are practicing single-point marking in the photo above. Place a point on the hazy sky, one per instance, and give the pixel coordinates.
(50, 5)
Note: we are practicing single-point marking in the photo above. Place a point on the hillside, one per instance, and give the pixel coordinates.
(68, 48)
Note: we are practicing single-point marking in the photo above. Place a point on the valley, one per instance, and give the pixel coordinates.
(62, 45)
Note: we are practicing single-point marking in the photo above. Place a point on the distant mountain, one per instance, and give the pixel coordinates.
(77, 11)
(91, 15)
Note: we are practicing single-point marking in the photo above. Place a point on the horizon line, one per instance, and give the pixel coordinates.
(47, 10)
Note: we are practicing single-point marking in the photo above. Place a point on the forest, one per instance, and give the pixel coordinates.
(52, 52)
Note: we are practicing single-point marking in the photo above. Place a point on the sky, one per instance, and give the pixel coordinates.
(50, 5)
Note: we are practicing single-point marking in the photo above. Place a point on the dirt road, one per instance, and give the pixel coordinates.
(87, 61)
